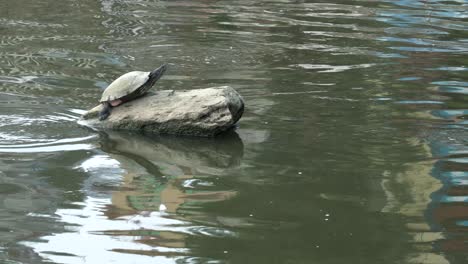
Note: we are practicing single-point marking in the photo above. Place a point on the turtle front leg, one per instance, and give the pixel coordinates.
(105, 112)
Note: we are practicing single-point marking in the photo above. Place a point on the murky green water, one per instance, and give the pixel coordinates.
(352, 149)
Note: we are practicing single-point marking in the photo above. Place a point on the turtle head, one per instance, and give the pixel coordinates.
(156, 74)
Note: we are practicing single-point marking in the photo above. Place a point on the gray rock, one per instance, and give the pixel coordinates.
(201, 112)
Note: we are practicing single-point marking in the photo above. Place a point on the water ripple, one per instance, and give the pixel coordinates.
(35, 130)
(66, 144)
(333, 68)
(26, 23)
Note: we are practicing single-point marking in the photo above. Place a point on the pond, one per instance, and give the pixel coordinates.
(353, 147)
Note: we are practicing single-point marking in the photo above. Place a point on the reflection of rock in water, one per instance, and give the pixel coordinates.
(162, 169)
(199, 154)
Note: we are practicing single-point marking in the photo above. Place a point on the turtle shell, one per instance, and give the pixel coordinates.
(125, 85)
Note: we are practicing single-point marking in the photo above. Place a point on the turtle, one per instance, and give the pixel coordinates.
(127, 87)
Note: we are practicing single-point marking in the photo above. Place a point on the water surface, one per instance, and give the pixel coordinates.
(352, 149)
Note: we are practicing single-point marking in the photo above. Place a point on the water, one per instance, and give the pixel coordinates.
(352, 149)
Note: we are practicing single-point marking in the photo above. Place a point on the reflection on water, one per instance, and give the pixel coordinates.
(447, 211)
(124, 190)
(189, 163)
(352, 147)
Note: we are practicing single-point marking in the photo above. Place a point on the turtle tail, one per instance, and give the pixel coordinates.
(105, 112)
(156, 74)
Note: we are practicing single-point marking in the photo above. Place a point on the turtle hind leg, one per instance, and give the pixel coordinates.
(105, 112)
